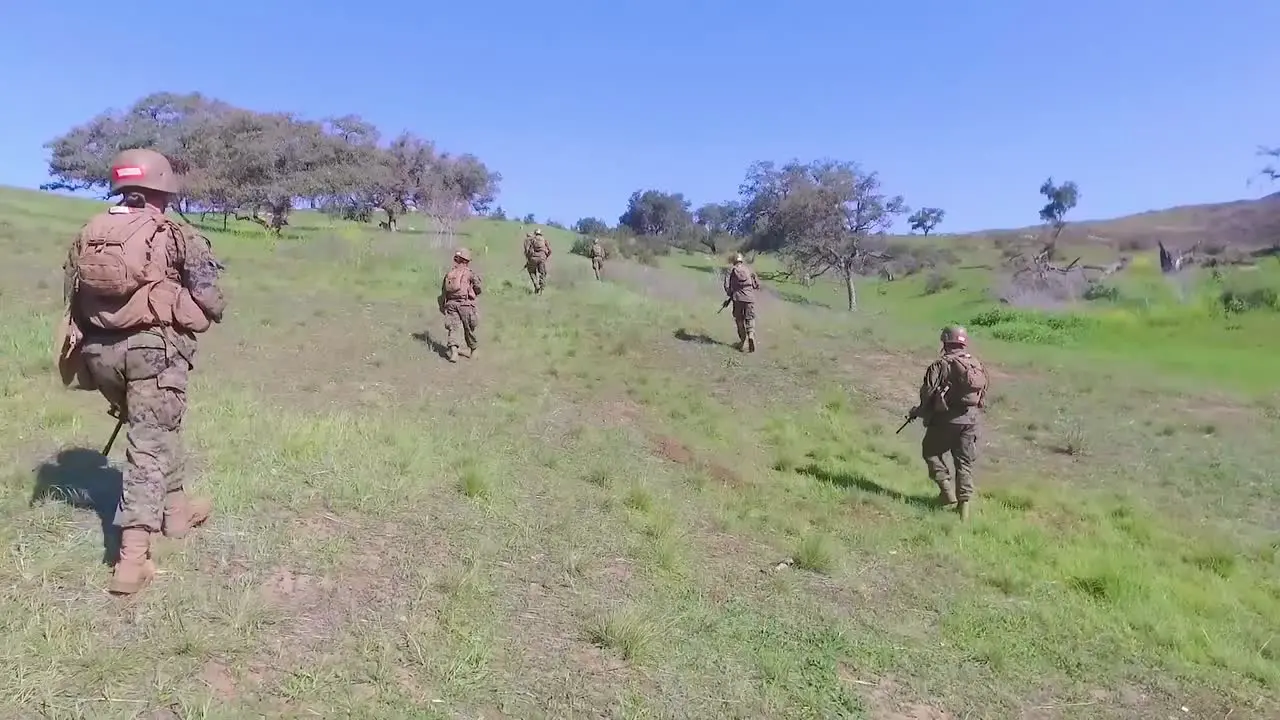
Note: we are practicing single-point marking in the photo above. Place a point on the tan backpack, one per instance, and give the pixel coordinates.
(121, 252)
(123, 277)
(968, 382)
(537, 245)
(457, 282)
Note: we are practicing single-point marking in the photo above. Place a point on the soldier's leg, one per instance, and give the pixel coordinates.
(933, 448)
(542, 274)
(156, 402)
(181, 512)
(749, 325)
(470, 317)
(452, 323)
(964, 451)
(740, 323)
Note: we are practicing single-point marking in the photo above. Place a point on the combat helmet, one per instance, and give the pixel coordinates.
(954, 335)
(142, 168)
(462, 254)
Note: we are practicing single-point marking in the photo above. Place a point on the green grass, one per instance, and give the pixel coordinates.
(603, 516)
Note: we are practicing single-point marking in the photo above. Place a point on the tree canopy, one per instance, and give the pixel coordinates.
(260, 165)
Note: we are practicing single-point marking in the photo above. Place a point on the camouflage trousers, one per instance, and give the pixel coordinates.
(537, 268)
(962, 442)
(464, 318)
(744, 316)
(148, 382)
(597, 265)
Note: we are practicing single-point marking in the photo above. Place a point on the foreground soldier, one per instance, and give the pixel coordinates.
(954, 388)
(597, 258)
(458, 295)
(537, 251)
(139, 287)
(741, 284)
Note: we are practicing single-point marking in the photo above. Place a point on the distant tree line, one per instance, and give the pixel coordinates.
(261, 165)
(824, 217)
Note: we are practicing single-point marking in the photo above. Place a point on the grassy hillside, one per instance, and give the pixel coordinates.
(610, 513)
(1241, 223)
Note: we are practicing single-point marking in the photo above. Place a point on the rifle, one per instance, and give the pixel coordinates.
(910, 416)
(915, 412)
(724, 305)
(120, 418)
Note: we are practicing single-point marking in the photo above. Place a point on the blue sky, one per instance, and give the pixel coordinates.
(1145, 104)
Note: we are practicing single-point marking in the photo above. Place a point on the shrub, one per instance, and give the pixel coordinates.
(1238, 301)
(1100, 291)
(1025, 326)
(937, 281)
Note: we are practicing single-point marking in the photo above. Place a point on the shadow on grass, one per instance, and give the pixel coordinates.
(684, 335)
(797, 298)
(702, 268)
(855, 479)
(84, 479)
(436, 346)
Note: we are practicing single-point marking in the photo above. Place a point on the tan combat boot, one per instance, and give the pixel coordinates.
(946, 496)
(134, 569)
(471, 354)
(182, 513)
(751, 342)
(962, 509)
(453, 353)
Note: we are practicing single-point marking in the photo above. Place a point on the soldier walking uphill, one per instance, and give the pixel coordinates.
(953, 390)
(597, 258)
(741, 284)
(537, 251)
(458, 294)
(139, 288)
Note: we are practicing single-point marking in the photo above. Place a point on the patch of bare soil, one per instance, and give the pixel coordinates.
(671, 449)
(219, 679)
(888, 700)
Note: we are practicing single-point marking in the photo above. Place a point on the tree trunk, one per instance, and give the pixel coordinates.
(850, 291)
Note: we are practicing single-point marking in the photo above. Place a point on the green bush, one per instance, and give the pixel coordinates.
(1243, 300)
(937, 281)
(1099, 291)
(1026, 326)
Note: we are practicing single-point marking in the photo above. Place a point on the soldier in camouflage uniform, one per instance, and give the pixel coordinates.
(953, 390)
(139, 287)
(597, 258)
(458, 293)
(537, 251)
(740, 285)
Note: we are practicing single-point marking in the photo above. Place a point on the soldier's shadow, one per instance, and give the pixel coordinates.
(436, 346)
(85, 479)
(684, 335)
(865, 484)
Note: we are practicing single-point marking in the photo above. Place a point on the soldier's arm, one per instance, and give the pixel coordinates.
(69, 269)
(200, 274)
(475, 283)
(755, 280)
(934, 377)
